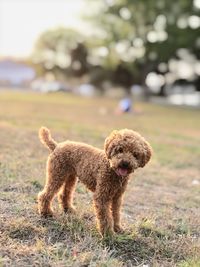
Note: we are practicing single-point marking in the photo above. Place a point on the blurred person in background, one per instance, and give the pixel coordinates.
(125, 105)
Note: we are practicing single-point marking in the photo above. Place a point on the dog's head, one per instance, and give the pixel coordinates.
(126, 151)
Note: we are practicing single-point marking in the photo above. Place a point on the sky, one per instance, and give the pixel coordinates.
(22, 21)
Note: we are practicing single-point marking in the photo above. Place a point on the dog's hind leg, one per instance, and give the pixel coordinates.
(53, 183)
(65, 195)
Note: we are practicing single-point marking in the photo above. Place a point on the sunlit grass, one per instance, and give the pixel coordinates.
(161, 211)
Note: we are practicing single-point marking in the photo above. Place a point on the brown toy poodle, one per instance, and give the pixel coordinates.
(104, 172)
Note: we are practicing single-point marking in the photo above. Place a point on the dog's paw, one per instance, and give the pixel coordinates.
(107, 233)
(70, 210)
(118, 229)
(46, 214)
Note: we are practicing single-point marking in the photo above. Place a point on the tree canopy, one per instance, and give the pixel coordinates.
(130, 39)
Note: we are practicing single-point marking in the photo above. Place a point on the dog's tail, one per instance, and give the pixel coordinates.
(46, 139)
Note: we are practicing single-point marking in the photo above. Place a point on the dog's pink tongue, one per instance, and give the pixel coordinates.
(122, 172)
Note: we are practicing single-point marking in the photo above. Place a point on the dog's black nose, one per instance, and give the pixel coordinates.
(124, 165)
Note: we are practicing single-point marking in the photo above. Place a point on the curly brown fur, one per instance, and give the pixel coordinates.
(104, 172)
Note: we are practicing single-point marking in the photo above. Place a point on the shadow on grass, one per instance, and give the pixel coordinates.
(146, 246)
(134, 251)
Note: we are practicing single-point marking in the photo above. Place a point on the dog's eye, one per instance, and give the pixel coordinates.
(136, 155)
(120, 150)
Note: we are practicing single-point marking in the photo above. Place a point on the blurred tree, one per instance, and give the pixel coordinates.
(141, 34)
(61, 50)
(131, 39)
(79, 56)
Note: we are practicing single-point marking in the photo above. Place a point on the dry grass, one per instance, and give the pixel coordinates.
(161, 212)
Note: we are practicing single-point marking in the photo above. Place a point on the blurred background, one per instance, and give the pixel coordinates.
(147, 49)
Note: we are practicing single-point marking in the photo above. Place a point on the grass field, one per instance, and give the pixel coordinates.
(161, 211)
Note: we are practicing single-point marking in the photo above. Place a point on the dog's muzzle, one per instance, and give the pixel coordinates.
(123, 169)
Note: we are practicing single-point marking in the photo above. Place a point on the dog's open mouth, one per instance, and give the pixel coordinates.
(122, 171)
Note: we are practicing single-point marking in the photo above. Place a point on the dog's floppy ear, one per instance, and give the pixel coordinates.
(146, 155)
(108, 143)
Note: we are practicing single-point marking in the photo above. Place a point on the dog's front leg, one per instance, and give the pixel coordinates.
(116, 207)
(102, 207)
